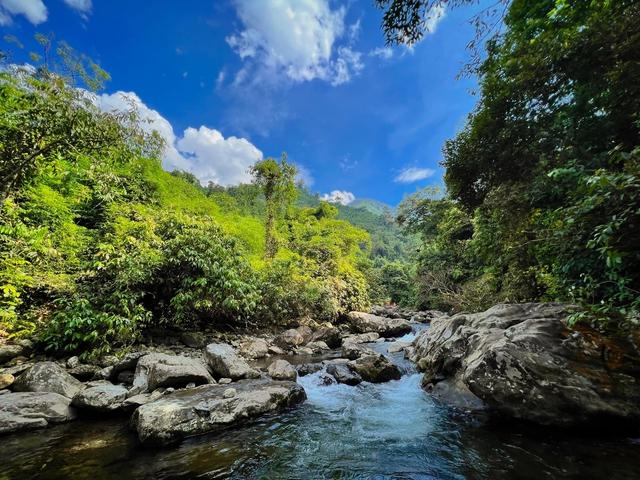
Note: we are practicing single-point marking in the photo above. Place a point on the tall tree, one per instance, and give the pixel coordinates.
(276, 179)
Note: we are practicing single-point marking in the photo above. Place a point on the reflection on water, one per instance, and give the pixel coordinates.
(391, 430)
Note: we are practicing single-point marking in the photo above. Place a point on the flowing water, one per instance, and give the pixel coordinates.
(385, 431)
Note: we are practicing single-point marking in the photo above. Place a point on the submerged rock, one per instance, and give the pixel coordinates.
(48, 377)
(376, 369)
(225, 362)
(29, 410)
(101, 398)
(523, 361)
(157, 370)
(282, 370)
(361, 322)
(343, 374)
(206, 409)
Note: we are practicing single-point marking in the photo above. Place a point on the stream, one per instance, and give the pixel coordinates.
(373, 431)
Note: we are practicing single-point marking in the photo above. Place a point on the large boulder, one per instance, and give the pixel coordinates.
(157, 370)
(9, 351)
(224, 362)
(29, 410)
(375, 369)
(127, 363)
(205, 409)
(47, 377)
(361, 322)
(294, 337)
(525, 362)
(352, 350)
(343, 374)
(282, 370)
(254, 348)
(105, 397)
(329, 335)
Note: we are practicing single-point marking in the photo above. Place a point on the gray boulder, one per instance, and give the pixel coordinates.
(156, 370)
(207, 408)
(525, 362)
(329, 335)
(352, 350)
(254, 348)
(225, 362)
(343, 374)
(375, 369)
(29, 410)
(9, 351)
(292, 338)
(308, 368)
(127, 363)
(84, 372)
(282, 370)
(101, 398)
(47, 377)
(361, 322)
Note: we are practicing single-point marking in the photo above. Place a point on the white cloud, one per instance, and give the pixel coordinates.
(384, 53)
(34, 10)
(204, 151)
(83, 6)
(339, 196)
(304, 175)
(297, 39)
(434, 17)
(413, 174)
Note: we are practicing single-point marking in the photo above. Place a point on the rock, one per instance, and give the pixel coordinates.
(275, 350)
(126, 377)
(10, 351)
(105, 373)
(84, 372)
(230, 393)
(524, 362)
(127, 363)
(355, 350)
(156, 370)
(193, 339)
(225, 362)
(225, 381)
(282, 370)
(29, 410)
(318, 347)
(325, 380)
(205, 409)
(254, 348)
(304, 351)
(361, 322)
(16, 370)
(343, 374)
(48, 377)
(308, 368)
(398, 346)
(376, 369)
(290, 339)
(330, 336)
(6, 380)
(368, 337)
(73, 362)
(101, 398)
(135, 401)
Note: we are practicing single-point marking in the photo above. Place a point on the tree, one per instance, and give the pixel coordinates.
(277, 182)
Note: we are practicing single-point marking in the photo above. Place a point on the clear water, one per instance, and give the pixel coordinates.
(386, 431)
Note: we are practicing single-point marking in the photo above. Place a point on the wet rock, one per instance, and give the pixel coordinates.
(6, 380)
(524, 362)
(84, 372)
(398, 346)
(193, 339)
(101, 398)
(376, 369)
(355, 350)
(282, 370)
(330, 336)
(361, 322)
(325, 380)
(156, 370)
(48, 377)
(343, 374)
(225, 362)
(308, 368)
(135, 401)
(205, 409)
(30, 410)
(254, 348)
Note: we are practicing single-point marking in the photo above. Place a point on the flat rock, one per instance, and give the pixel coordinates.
(156, 370)
(282, 370)
(523, 361)
(205, 409)
(225, 362)
(47, 377)
(361, 322)
(101, 398)
(30, 410)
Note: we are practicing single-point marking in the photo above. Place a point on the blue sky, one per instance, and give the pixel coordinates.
(230, 81)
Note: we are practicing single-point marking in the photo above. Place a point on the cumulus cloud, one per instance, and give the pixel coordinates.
(203, 151)
(413, 174)
(34, 10)
(82, 6)
(384, 53)
(339, 196)
(297, 39)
